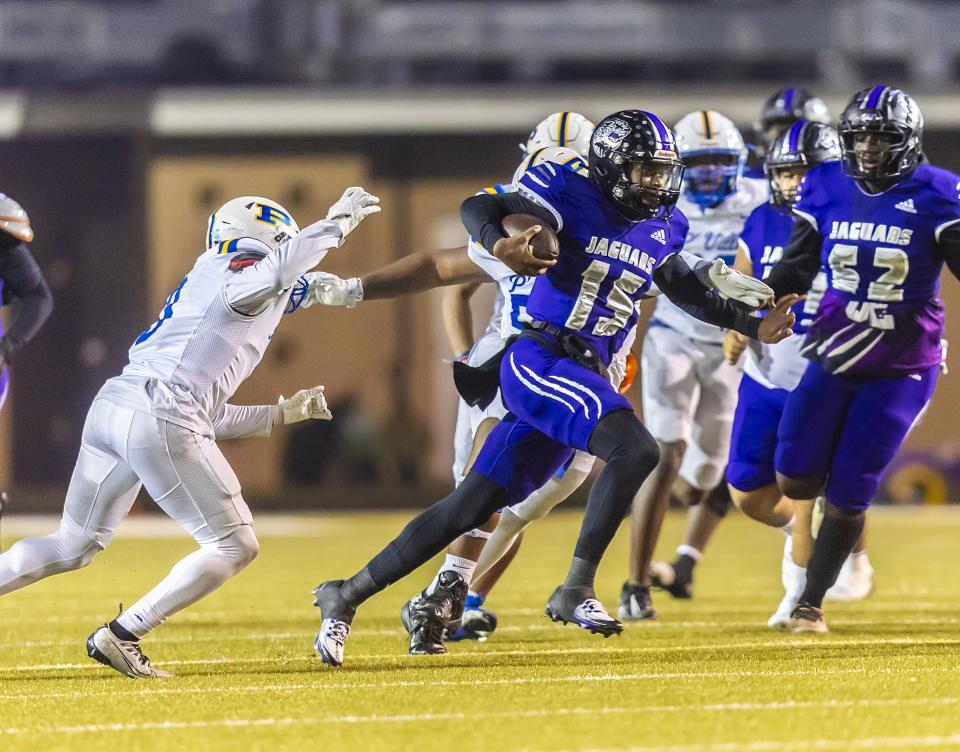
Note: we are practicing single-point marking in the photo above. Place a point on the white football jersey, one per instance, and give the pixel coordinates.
(215, 327)
(513, 290)
(714, 233)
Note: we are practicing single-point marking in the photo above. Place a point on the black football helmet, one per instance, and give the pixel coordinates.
(633, 157)
(895, 118)
(786, 106)
(803, 144)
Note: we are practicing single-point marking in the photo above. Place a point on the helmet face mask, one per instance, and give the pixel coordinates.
(881, 135)
(634, 160)
(792, 153)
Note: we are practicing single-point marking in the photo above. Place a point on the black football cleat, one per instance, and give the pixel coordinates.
(427, 618)
(635, 603)
(667, 576)
(578, 606)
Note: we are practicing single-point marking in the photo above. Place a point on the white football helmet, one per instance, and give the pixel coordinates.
(714, 153)
(14, 220)
(251, 217)
(569, 129)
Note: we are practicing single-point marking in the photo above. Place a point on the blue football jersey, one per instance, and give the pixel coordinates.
(881, 313)
(606, 262)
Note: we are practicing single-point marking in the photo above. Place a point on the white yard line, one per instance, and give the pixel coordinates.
(790, 642)
(512, 714)
(872, 742)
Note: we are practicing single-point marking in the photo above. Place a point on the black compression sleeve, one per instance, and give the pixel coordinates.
(679, 283)
(795, 272)
(950, 247)
(22, 280)
(482, 215)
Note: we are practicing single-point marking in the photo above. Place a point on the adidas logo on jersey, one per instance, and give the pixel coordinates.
(906, 206)
(660, 236)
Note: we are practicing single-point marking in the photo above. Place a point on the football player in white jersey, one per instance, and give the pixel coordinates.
(157, 424)
(689, 391)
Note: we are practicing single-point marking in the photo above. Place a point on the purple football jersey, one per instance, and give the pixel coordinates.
(606, 262)
(881, 314)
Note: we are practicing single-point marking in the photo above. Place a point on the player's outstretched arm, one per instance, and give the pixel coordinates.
(24, 281)
(483, 215)
(276, 273)
(458, 316)
(415, 273)
(681, 285)
(798, 267)
(249, 421)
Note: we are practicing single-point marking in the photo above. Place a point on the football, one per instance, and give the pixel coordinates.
(545, 243)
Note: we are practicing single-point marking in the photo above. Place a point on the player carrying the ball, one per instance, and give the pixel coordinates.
(617, 234)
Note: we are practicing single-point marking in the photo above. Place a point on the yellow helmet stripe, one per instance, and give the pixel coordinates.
(707, 130)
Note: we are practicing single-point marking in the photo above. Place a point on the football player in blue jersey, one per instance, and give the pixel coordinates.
(618, 233)
(883, 221)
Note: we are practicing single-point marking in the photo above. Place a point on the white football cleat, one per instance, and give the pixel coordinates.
(330, 639)
(122, 655)
(794, 579)
(807, 619)
(855, 581)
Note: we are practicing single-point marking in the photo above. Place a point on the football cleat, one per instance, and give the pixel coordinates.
(635, 603)
(336, 613)
(122, 655)
(427, 618)
(664, 576)
(476, 624)
(577, 606)
(855, 581)
(806, 618)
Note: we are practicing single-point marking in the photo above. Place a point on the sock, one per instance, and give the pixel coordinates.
(122, 632)
(839, 533)
(464, 567)
(581, 574)
(359, 587)
(474, 601)
(787, 529)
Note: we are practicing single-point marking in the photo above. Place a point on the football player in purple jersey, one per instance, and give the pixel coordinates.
(883, 222)
(618, 234)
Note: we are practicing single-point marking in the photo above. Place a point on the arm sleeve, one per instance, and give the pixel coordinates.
(482, 215)
(680, 284)
(950, 247)
(245, 421)
(23, 280)
(250, 289)
(795, 272)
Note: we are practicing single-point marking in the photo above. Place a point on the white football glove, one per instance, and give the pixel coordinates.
(739, 286)
(352, 208)
(331, 290)
(307, 404)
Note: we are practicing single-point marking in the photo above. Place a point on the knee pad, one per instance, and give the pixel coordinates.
(800, 488)
(718, 500)
(77, 550)
(621, 439)
(241, 546)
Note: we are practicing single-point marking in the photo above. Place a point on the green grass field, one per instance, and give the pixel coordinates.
(708, 676)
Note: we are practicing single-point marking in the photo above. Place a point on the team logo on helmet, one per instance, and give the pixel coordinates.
(610, 134)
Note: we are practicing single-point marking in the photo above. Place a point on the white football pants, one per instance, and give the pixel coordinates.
(187, 476)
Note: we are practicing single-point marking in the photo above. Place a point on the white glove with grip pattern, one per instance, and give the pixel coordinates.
(307, 404)
(352, 208)
(331, 290)
(739, 286)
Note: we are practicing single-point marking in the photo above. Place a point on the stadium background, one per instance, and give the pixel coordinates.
(123, 124)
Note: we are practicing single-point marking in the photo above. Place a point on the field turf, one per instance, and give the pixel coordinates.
(708, 677)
